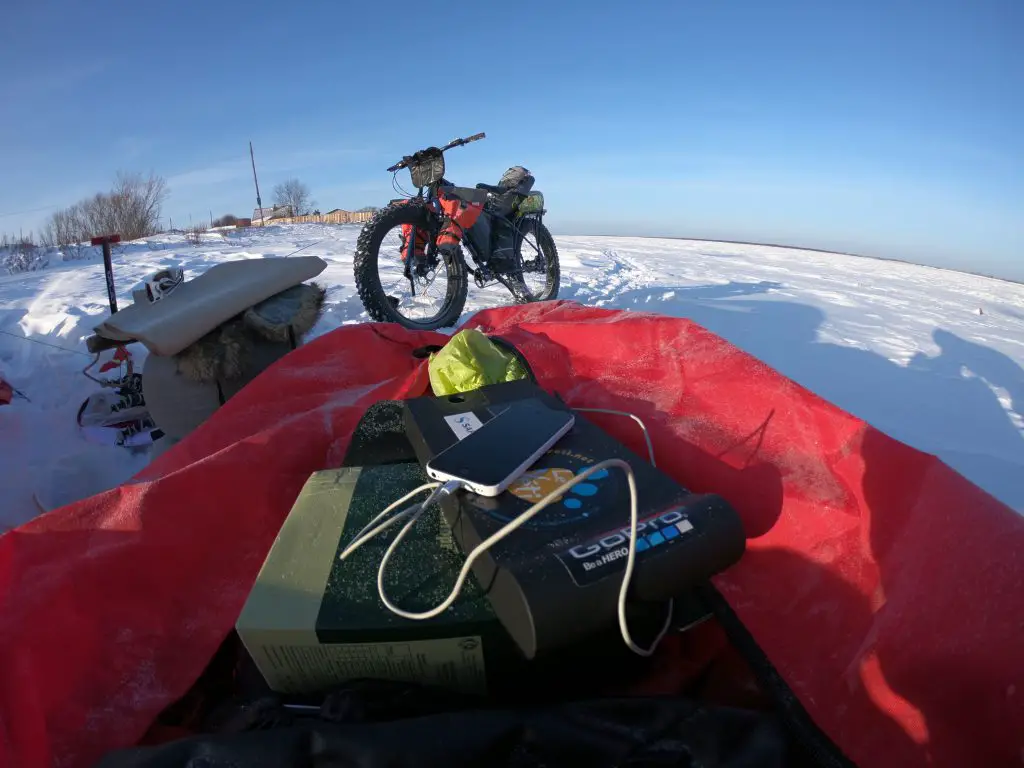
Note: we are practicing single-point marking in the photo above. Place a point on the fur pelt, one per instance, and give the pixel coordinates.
(225, 352)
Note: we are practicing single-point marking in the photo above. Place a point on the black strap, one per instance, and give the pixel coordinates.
(220, 393)
(421, 353)
(816, 744)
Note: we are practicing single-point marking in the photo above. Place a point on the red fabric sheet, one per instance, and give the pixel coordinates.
(884, 587)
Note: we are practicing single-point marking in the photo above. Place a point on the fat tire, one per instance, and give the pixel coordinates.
(547, 245)
(367, 274)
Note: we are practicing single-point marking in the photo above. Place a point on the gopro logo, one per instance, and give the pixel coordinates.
(649, 533)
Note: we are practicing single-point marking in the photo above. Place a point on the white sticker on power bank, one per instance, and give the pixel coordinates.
(463, 424)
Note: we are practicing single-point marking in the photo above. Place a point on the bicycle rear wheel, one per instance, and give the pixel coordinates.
(535, 250)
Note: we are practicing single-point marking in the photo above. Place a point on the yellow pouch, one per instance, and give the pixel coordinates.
(469, 361)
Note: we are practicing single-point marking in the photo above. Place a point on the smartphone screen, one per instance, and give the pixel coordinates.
(495, 453)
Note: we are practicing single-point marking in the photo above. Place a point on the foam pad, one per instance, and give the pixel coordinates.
(198, 306)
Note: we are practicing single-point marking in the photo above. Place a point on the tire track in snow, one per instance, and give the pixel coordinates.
(626, 274)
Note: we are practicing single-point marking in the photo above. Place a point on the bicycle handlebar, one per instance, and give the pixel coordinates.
(404, 162)
(460, 142)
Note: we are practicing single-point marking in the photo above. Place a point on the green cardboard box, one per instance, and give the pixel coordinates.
(312, 621)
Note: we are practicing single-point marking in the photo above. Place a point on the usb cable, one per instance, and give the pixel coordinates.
(413, 510)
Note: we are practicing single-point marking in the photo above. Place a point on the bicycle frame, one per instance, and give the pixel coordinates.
(434, 203)
(456, 220)
(454, 230)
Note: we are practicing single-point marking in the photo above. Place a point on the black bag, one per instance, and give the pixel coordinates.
(517, 179)
(503, 241)
(377, 724)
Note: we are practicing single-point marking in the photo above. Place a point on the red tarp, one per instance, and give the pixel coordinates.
(885, 588)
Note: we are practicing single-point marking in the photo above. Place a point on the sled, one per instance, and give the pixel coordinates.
(874, 618)
(206, 338)
(168, 326)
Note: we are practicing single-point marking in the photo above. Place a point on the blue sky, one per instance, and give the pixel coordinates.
(885, 127)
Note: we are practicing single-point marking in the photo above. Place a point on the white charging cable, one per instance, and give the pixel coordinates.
(366, 533)
(634, 417)
(413, 512)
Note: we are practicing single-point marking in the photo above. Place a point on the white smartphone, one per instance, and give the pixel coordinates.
(491, 458)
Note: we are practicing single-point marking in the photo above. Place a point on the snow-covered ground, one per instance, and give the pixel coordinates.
(934, 358)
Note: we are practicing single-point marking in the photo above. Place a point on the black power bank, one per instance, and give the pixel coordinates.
(556, 579)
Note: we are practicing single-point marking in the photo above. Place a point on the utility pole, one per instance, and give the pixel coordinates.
(211, 219)
(259, 203)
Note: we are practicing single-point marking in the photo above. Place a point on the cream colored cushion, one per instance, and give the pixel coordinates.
(198, 306)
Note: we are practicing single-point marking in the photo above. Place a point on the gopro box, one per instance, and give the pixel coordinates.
(555, 580)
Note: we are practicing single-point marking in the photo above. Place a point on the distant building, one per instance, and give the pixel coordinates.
(341, 216)
(282, 214)
(275, 212)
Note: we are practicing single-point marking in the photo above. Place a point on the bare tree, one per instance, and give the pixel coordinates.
(135, 204)
(131, 209)
(294, 193)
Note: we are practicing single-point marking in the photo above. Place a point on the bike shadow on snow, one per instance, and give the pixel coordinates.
(944, 405)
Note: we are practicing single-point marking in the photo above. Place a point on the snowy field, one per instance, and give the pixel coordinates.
(934, 358)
